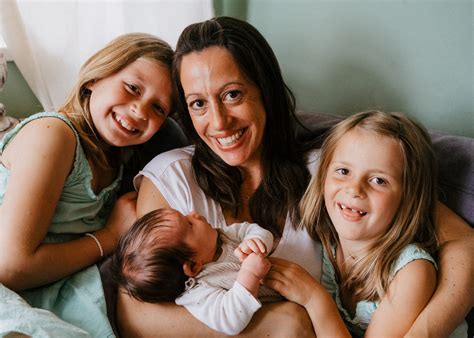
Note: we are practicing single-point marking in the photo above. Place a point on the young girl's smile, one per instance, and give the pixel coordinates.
(363, 187)
(128, 107)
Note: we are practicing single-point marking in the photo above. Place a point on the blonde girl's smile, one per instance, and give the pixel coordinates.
(363, 186)
(351, 213)
(126, 125)
(128, 107)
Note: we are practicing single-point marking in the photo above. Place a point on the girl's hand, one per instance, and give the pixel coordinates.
(248, 246)
(291, 281)
(122, 217)
(297, 285)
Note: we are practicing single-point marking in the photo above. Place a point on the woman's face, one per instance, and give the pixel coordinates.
(225, 107)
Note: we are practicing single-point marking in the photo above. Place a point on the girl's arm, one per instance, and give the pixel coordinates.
(453, 298)
(297, 285)
(406, 297)
(39, 158)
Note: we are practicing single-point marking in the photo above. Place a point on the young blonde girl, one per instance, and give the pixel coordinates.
(373, 206)
(59, 176)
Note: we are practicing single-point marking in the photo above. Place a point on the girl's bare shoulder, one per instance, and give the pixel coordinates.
(41, 137)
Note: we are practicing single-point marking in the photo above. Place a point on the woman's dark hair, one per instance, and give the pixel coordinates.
(285, 175)
(147, 264)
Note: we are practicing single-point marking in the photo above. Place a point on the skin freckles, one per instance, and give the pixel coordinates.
(130, 106)
(225, 107)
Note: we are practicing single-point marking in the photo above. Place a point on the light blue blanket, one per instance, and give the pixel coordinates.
(71, 307)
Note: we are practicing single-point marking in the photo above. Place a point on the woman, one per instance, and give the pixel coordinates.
(246, 166)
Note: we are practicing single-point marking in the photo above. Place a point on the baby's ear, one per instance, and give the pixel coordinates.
(191, 269)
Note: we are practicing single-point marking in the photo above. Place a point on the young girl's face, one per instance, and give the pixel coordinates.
(128, 107)
(363, 186)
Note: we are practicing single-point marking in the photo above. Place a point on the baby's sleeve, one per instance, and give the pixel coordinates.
(226, 311)
(245, 230)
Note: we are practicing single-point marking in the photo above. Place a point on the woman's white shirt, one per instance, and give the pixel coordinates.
(172, 173)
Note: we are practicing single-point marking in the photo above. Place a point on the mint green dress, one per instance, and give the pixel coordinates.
(365, 309)
(73, 306)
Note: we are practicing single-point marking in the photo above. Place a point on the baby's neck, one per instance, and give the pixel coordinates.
(218, 252)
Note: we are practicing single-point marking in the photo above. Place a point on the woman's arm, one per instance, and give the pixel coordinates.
(149, 198)
(453, 297)
(406, 297)
(139, 319)
(297, 285)
(47, 148)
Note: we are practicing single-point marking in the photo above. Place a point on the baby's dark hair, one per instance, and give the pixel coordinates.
(148, 263)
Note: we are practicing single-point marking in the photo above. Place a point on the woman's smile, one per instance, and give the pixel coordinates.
(228, 141)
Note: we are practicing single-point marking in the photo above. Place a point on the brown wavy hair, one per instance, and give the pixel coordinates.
(415, 221)
(285, 175)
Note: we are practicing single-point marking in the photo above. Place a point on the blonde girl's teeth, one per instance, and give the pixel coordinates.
(124, 124)
(362, 213)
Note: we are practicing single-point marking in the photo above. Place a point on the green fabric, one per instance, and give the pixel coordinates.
(78, 299)
(365, 309)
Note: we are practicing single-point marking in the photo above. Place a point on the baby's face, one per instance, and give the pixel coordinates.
(194, 230)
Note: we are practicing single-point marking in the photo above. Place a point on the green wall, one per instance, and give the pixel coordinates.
(339, 57)
(17, 96)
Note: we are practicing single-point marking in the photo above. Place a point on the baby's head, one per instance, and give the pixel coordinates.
(160, 252)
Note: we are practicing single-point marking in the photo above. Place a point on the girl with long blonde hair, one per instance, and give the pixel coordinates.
(59, 177)
(373, 206)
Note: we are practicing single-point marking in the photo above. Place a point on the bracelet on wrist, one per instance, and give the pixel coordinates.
(97, 242)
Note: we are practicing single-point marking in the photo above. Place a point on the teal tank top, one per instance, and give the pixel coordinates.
(77, 301)
(364, 308)
(79, 209)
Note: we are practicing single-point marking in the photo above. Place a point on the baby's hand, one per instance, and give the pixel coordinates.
(256, 264)
(248, 246)
(252, 271)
